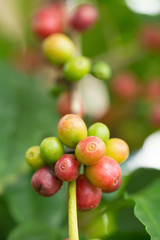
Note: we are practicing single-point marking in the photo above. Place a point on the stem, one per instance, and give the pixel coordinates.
(75, 108)
(72, 211)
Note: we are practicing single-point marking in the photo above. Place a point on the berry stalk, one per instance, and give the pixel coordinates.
(72, 211)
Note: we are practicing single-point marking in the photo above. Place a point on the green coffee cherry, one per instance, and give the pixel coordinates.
(33, 158)
(51, 149)
(99, 130)
(58, 48)
(101, 70)
(76, 68)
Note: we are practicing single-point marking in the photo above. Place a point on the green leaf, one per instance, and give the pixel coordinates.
(140, 179)
(147, 208)
(6, 220)
(92, 38)
(27, 114)
(127, 236)
(34, 231)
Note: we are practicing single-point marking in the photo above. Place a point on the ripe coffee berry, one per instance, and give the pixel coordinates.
(64, 104)
(99, 130)
(106, 174)
(90, 150)
(84, 17)
(49, 20)
(76, 68)
(88, 196)
(153, 88)
(51, 149)
(45, 183)
(155, 115)
(125, 86)
(117, 149)
(150, 37)
(101, 70)
(67, 168)
(71, 130)
(33, 158)
(58, 48)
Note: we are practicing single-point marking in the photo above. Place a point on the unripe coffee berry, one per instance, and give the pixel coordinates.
(99, 130)
(67, 168)
(45, 183)
(33, 158)
(106, 174)
(117, 149)
(88, 196)
(58, 48)
(51, 149)
(71, 130)
(49, 20)
(84, 17)
(90, 150)
(76, 68)
(101, 70)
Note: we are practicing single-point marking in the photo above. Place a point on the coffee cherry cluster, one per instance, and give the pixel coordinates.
(53, 24)
(54, 18)
(59, 49)
(60, 159)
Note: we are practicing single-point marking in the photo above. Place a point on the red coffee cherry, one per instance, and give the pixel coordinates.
(64, 105)
(84, 17)
(88, 196)
(150, 37)
(45, 183)
(67, 168)
(90, 150)
(155, 115)
(125, 86)
(153, 88)
(49, 20)
(106, 174)
(114, 188)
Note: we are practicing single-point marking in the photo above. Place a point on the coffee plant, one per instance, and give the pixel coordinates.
(79, 96)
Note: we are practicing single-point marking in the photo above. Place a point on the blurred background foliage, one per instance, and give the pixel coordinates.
(28, 114)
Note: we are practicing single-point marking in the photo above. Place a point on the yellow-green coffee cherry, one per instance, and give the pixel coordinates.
(117, 149)
(33, 158)
(99, 130)
(58, 48)
(51, 149)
